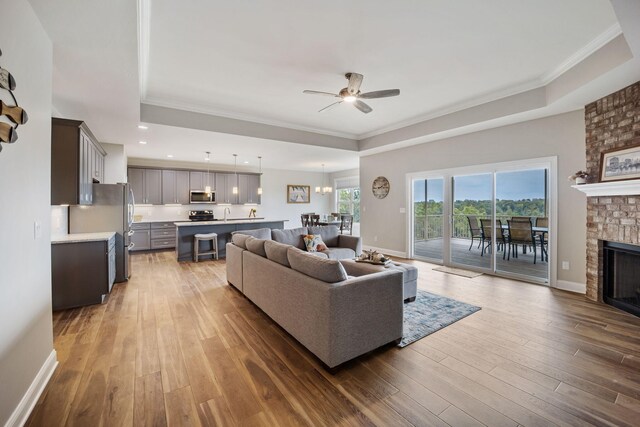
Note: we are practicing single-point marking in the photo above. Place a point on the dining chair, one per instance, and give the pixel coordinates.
(335, 215)
(314, 220)
(304, 218)
(346, 223)
(488, 234)
(521, 233)
(474, 230)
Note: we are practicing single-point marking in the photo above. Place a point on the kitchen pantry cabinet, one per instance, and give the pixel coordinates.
(77, 161)
(224, 188)
(248, 188)
(146, 185)
(175, 187)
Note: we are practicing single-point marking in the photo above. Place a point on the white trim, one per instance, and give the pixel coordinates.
(144, 27)
(385, 251)
(566, 285)
(23, 410)
(614, 188)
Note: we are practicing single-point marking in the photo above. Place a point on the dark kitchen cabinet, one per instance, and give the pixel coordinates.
(248, 189)
(175, 187)
(224, 188)
(146, 185)
(77, 161)
(82, 273)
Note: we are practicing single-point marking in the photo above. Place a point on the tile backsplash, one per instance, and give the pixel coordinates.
(59, 220)
(176, 213)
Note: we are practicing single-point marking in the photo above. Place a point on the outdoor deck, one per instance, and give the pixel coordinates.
(460, 254)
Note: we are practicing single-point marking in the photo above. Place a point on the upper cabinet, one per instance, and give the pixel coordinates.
(146, 185)
(224, 188)
(77, 161)
(175, 187)
(199, 180)
(248, 189)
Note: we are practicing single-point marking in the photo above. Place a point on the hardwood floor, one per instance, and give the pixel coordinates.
(178, 346)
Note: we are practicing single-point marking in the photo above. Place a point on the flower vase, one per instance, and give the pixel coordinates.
(580, 181)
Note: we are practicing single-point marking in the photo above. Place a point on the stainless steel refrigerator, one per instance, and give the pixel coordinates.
(112, 210)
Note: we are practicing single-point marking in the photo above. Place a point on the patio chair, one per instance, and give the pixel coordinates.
(474, 230)
(521, 233)
(544, 222)
(488, 234)
(346, 223)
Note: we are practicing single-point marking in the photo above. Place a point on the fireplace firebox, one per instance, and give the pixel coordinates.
(621, 276)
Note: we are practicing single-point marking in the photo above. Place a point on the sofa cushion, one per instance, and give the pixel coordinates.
(291, 236)
(277, 252)
(314, 243)
(329, 234)
(256, 246)
(327, 270)
(240, 240)
(339, 253)
(258, 233)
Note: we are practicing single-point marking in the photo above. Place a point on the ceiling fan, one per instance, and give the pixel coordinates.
(351, 94)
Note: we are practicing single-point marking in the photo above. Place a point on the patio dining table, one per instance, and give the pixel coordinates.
(540, 232)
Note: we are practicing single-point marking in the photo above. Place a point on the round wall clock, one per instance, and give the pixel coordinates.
(380, 187)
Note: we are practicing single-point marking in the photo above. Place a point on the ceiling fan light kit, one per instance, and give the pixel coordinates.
(352, 95)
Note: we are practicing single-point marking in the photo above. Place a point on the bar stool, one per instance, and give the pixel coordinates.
(212, 237)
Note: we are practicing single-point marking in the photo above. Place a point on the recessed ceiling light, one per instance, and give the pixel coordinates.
(169, 155)
(246, 162)
(142, 142)
(143, 127)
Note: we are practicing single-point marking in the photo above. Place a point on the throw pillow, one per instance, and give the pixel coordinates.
(240, 240)
(314, 243)
(256, 246)
(277, 252)
(327, 270)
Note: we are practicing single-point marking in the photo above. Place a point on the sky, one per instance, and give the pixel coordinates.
(516, 185)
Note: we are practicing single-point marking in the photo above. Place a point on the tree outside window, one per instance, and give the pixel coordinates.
(349, 202)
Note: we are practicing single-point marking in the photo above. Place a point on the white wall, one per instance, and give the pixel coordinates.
(274, 200)
(26, 332)
(562, 135)
(115, 163)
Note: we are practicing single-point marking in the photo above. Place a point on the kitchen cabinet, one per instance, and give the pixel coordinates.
(163, 235)
(175, 187)
(82, 272)
(248, 188)
(199, 180)
(146, 185)
(224, 188)
(77, 161)
(141, 237)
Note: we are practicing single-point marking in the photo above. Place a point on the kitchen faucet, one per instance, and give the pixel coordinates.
(226, 211)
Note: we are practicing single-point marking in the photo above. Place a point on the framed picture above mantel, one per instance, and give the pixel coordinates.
(298, 193)
(621, 164)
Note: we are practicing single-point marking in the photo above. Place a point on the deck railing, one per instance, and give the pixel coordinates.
(427, 227)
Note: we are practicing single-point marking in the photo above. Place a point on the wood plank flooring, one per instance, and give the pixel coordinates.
(178, 346)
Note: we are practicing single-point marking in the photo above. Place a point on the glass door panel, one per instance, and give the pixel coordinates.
(472, 197)
(522, 208)
(428, 218)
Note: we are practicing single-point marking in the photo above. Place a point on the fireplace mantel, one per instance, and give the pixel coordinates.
(616, 188)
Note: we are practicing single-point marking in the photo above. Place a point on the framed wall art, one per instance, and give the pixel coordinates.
(621, 163)
(298, 193)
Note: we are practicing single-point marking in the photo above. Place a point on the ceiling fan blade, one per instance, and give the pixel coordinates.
(355, 80)
(380, 94)
(362, 106)
(315, 92)
(328, 107)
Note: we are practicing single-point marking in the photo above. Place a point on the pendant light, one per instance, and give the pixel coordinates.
(235, 170)
(325, 188)
(207, 189)
(260, 188)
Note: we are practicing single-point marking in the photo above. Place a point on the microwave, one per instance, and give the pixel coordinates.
(201, 196)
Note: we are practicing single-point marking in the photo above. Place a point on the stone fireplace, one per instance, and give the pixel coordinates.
(612, 122)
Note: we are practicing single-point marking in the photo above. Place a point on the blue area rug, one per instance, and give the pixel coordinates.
(430, 313)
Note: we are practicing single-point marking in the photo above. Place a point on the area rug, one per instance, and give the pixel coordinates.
(458, 272)
(430, 313)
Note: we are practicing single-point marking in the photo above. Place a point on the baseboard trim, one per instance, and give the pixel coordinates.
(385, 251)
(565, 285)
(20, 415)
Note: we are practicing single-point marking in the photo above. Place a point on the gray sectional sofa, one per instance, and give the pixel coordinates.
(321, 302)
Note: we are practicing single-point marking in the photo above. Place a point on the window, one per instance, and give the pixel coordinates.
(349, 202)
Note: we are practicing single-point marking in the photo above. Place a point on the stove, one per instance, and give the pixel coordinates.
(201, 216)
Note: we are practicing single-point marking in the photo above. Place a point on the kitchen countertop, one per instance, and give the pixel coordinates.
(230, 221)
(181, 220)
(82, 237)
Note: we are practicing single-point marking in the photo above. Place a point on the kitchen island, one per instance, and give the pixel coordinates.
(186, 230)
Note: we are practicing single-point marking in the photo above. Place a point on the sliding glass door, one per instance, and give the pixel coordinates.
(493, 218)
